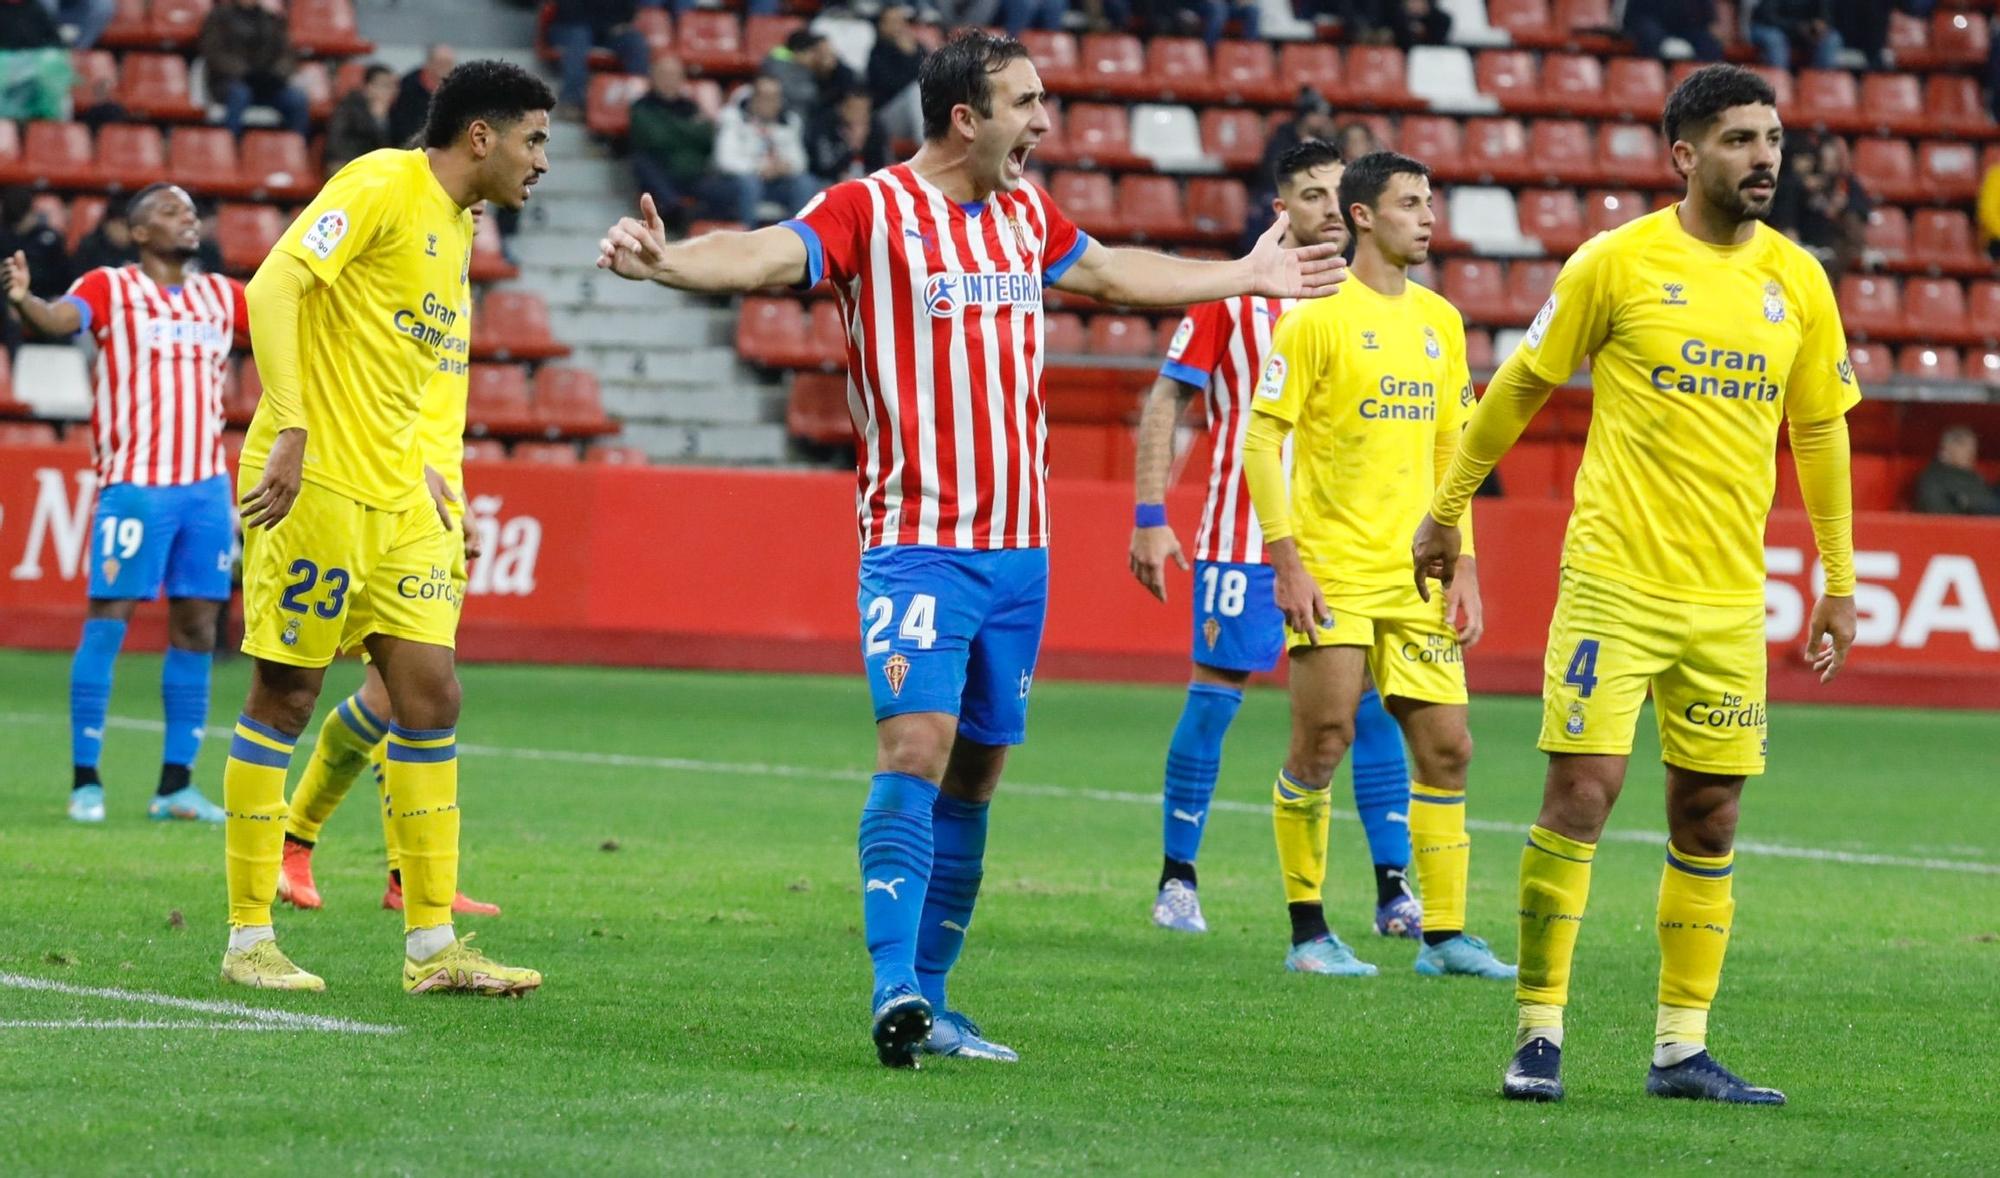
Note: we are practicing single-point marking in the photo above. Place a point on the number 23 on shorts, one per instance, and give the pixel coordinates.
(306, 578)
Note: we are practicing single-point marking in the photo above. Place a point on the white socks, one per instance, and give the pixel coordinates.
(1666, 1055)
(243, 936)
(422, 944)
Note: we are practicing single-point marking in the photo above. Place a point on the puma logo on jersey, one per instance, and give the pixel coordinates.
(889, 886)
(1184, 816)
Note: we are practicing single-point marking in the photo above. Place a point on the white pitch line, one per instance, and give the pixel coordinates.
(1031, 789)
(278, 1020)
(133, 1024)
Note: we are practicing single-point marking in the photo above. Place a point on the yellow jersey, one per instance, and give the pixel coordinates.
(441, 418)
(1375, 390)
(393, 253)
(1699, 351)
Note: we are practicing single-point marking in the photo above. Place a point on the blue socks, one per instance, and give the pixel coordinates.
(90, 693)
(958, 832)
(1381, 782)
(895, 841)
(1193, 760)
(184, 694)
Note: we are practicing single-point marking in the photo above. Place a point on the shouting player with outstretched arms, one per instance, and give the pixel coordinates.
(346, 543)
(163, 334)
(1217, 353)
(1706, 329)
(939, 264)
(1371, 386)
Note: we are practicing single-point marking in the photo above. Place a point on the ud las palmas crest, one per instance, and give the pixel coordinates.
(1774, 302)
(896, 669)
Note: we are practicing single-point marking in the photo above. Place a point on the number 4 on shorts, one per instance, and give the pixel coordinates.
(1582, 671)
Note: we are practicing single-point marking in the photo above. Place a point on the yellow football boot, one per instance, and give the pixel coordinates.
(265, 967)
(460, 967)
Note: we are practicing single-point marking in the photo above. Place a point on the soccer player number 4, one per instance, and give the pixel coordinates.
(919, 622)
(1583, 667)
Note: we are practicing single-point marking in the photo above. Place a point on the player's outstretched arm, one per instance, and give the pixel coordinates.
(273, 297)
(637, 248)
(1142, 278)
(1820, 454)
(1513, 397)
(60, 318)
(1153, 539)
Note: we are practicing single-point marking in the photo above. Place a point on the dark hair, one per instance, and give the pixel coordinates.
(1704, 94)
(139, 198)
(800, 40)
(494, 92)
(1365, 179)
(374, 71)
(1303, 156)
(960, 73)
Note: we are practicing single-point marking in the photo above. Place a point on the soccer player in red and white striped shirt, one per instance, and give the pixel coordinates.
(163, 333)
(939, 265)
(1218, 353)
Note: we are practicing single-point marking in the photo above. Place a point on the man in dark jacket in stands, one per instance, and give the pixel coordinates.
(578, 26)
(1650, 22)
(413, 93)
(672, 143)
(1951, 485)
(247, 49)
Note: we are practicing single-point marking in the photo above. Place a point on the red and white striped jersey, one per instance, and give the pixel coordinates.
(162, 358)
(943, 308)
(1229, 337)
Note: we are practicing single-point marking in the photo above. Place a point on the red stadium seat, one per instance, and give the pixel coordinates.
(1115, 64)
(1151, 208)
(1889, 234)
(1512, 77)
(712, 43)
(1087, 199)
(155, 85)
(1983, 364)
(1581, 16)
(1120, 335)
(1439, 141)
(1311, 66)
(1553, 217)
(245, 233)
(1376, 77)
(546, 453)
(85, 213)
(1635, 87)
(130, 155)
(127, 27)
(1925, 362)
(1951, 103)
(1893, 103)
(61, 154)
(27, 433)
(1528, 287)
(769, 330)
(95, 80)
(1891, 168)
(1958, 38)
(1247, 72)
(1479, 350)
(240, 396)
(1218, 206)
(567, 401)
(1064, 335)
(1562, 151)
(817, 409)
(761, 34)
(1528, 21)
(275, 164)
(175, 24)
(1827, 98)
(1056, 59)
(1983, 310)
(1233, 136)
(497, 400)
(326, 28)
(1872, 363)
(1871, 306)
(1942, 239)
(316, 83)
(1949, 170)
(607, 107)
(1178, 70)
(1497, 150)
(1631, 154)
(10, 147)
(1936, 306)
(603, 455)
(203, 159)
(1099, 135)
(514, 325)
(1477, 287)
(826, 336)
(489, 263)
(1573, 84)
(485, 450)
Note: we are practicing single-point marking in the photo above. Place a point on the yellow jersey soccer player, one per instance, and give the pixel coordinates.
(355, 734)
(343, 545)
(1371, 384)
(1707, 328)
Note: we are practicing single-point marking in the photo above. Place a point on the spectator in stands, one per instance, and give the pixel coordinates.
(97, 104)
(1989, 212)
(27, 230)
(361, 122)
(1409, 23)
(110, 244)
(1356, 140)
(811, 74)
(1951, 485)
(208, 255)
(34, 67)
(86, 19)
(578, 26)
(1651, 22)
(844, 142)
(760, 149)
(893, 65)
(1016, 15)
(1312, 118)
(1837, 208)
(413, 93)
(248, 51)
(1779, 26)
(672, 142)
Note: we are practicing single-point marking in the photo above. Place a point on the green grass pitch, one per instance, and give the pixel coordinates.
(676, 853)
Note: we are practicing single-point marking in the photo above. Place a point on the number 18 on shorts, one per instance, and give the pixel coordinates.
(1237, 626)
(952, 631)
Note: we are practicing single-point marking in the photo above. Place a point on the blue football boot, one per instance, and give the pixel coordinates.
(1327, 954)
(1535, 1072)
(902, 1024)
(953, 1034)
(86, 803)
(185, 805)
(1462, 955)
(1699, 1077)
(1400, 917)
(1177, 908)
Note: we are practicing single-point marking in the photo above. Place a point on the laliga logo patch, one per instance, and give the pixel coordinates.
(1431, 346)
(1774, 302)
(1272, 386)
(941, 295)
(1182, 335)
(291, 635)
(325, 233)
(896, 669)
(1540, 327)
(1211, 631)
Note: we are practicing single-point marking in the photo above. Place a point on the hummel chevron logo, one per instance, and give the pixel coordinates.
(889, 886)
(1184, 816)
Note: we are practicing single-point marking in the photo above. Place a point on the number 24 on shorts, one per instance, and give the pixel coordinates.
(919, 623)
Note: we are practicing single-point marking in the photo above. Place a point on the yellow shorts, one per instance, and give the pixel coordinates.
(334, 571)
(362, 621)
(1705, 663)
(1412, 651)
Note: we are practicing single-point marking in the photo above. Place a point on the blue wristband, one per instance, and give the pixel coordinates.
(1150, 515)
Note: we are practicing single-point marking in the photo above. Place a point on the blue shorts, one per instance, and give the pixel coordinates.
(954, 631)
(1237, 626)
(143, 537)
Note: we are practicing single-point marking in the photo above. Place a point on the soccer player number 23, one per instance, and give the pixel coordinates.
(309, 576)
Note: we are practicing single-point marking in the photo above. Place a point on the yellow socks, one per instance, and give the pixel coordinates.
(1443, 854)
(423, 790)
(1696, 911)
(378, 759)
(338, 757)
(1555, 885)
(253, 796)
(1299, 818)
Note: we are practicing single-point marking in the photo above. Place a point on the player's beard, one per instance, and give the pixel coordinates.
(1732, 198)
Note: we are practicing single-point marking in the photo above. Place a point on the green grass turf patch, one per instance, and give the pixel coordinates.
(705, 1008)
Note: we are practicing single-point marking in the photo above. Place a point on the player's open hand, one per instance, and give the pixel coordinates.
(270, 501)
(635, 248)
(1152, 548)
(1434, 553)
(442, 497)
(1299, 598)
(1829, 636)
(15, 271)
(1304, 273)
(1464, 611)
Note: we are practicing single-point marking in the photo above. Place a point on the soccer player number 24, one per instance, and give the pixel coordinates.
(919, 622)
(309, 575)
(1583, 667)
